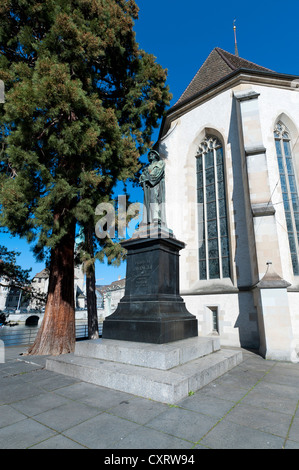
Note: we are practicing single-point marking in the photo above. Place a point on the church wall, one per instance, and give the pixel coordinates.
(275, 103)
(282, 104)
(293, 305)
(233, 298)
(236, 315)
(180, 148)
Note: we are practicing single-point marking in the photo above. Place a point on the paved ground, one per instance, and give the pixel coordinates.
(254, 406)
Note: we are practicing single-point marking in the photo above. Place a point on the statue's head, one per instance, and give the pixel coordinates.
(153, 155)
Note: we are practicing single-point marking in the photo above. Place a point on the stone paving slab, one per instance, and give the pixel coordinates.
(230, 435)
(253, 406)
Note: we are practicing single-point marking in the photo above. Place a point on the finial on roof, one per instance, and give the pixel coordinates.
(236, 45)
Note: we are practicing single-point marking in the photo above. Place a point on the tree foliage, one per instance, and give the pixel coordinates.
(13, 275)
(82, 100)
(10, 272)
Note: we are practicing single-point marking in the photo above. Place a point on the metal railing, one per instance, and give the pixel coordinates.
(27, 335)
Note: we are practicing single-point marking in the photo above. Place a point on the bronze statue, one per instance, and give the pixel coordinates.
(153, 182)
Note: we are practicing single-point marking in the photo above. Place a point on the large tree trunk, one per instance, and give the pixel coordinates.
(93, 326)
(57, 334)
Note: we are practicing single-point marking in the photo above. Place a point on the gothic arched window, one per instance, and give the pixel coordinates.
(214, 261)
(289, 190)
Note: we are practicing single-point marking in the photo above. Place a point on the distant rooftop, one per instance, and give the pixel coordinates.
(115, 285)
(43, 274)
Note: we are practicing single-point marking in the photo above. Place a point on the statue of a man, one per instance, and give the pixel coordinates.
(153, 182)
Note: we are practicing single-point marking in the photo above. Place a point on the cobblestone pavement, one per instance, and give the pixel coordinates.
(254, 406)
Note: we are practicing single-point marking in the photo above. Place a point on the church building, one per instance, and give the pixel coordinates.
(231, 150)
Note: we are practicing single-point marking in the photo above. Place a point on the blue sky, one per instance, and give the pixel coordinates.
(181, 35)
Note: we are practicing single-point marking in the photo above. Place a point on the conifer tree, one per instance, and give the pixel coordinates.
(81, 101)
(10, 273)
(93, 248)
(14, 276)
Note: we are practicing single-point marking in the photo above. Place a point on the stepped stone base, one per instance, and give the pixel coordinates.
(165, 373)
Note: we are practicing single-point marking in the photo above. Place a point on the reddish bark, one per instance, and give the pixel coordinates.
(93, 326)
(57, 332)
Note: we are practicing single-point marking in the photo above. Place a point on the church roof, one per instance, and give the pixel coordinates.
(216, 67)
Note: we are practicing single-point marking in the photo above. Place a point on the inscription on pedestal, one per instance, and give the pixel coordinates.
(142, 272)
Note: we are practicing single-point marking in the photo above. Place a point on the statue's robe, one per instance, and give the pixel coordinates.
(154, 193)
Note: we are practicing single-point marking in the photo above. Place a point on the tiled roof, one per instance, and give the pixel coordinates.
(217, 66)
(43, 274)
(119, 284)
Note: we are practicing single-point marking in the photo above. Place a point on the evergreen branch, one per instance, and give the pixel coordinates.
(55, 121)
(29, 290)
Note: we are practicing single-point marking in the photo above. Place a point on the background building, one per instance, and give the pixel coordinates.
(13, 298)
(108, 296)
(40, 284)
(4, 289)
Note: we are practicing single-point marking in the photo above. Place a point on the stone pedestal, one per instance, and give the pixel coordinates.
(163, 372)
(151, 310)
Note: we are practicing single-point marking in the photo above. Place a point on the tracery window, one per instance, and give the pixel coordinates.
(289, 190)
(214, 259)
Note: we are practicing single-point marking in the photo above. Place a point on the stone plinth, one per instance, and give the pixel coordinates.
(163, 372)
(277, 341)
(151, 311)
(153, 356)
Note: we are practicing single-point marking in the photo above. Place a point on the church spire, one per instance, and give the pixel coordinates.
(236, 45)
